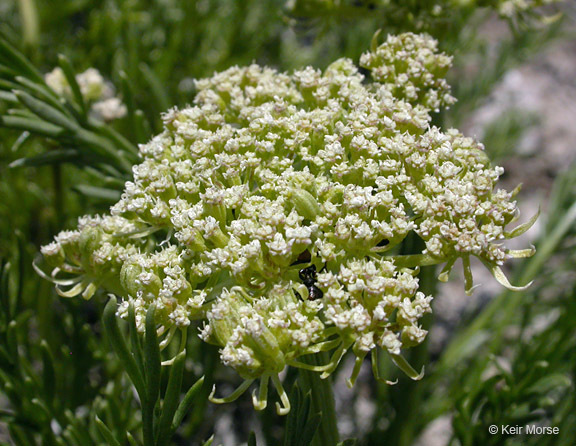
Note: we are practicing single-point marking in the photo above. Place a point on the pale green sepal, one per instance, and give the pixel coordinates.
(374, 41)
(260, 401)
(52, 279)
(550, 19)
(284, 408)
(468, 278)
(72, 292)
(503, 280)
(357, 367)
(233, 396)
(312, 368)
(414, 260)
(376, 370)
(521, 229)
(335, 359)
(516, 190)
(320, 347)
(443, 276)
(521, 253)
(89, 291)
(403, 365)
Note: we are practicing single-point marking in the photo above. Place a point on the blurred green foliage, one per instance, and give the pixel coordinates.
(510, 363)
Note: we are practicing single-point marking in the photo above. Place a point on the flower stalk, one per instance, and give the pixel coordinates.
(322, 397)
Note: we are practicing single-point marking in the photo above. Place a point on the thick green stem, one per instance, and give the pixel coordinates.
(322, 400)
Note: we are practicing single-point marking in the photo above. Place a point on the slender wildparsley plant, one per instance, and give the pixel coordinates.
(272, 212)
(293, 220)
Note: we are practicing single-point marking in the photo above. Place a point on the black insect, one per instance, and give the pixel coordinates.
(304, 257)
(308, 278)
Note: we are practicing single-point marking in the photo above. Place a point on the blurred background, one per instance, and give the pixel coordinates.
(497, 357)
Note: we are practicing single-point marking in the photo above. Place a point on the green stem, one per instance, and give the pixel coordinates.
(322, 400)
(414, 260)
(58, 194)
(30, 23)
(147, 423)
(408, 393)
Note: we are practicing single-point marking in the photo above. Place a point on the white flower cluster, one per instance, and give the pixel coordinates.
(372, 303)
(432, 15)
(515, 8)
(260, 335)
(412, 69)
(94, 89)
(269, 175)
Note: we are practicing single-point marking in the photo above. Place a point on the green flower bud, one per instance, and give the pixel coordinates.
(89, 241)
(135, 280)
(304, 203)
(53, 254)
